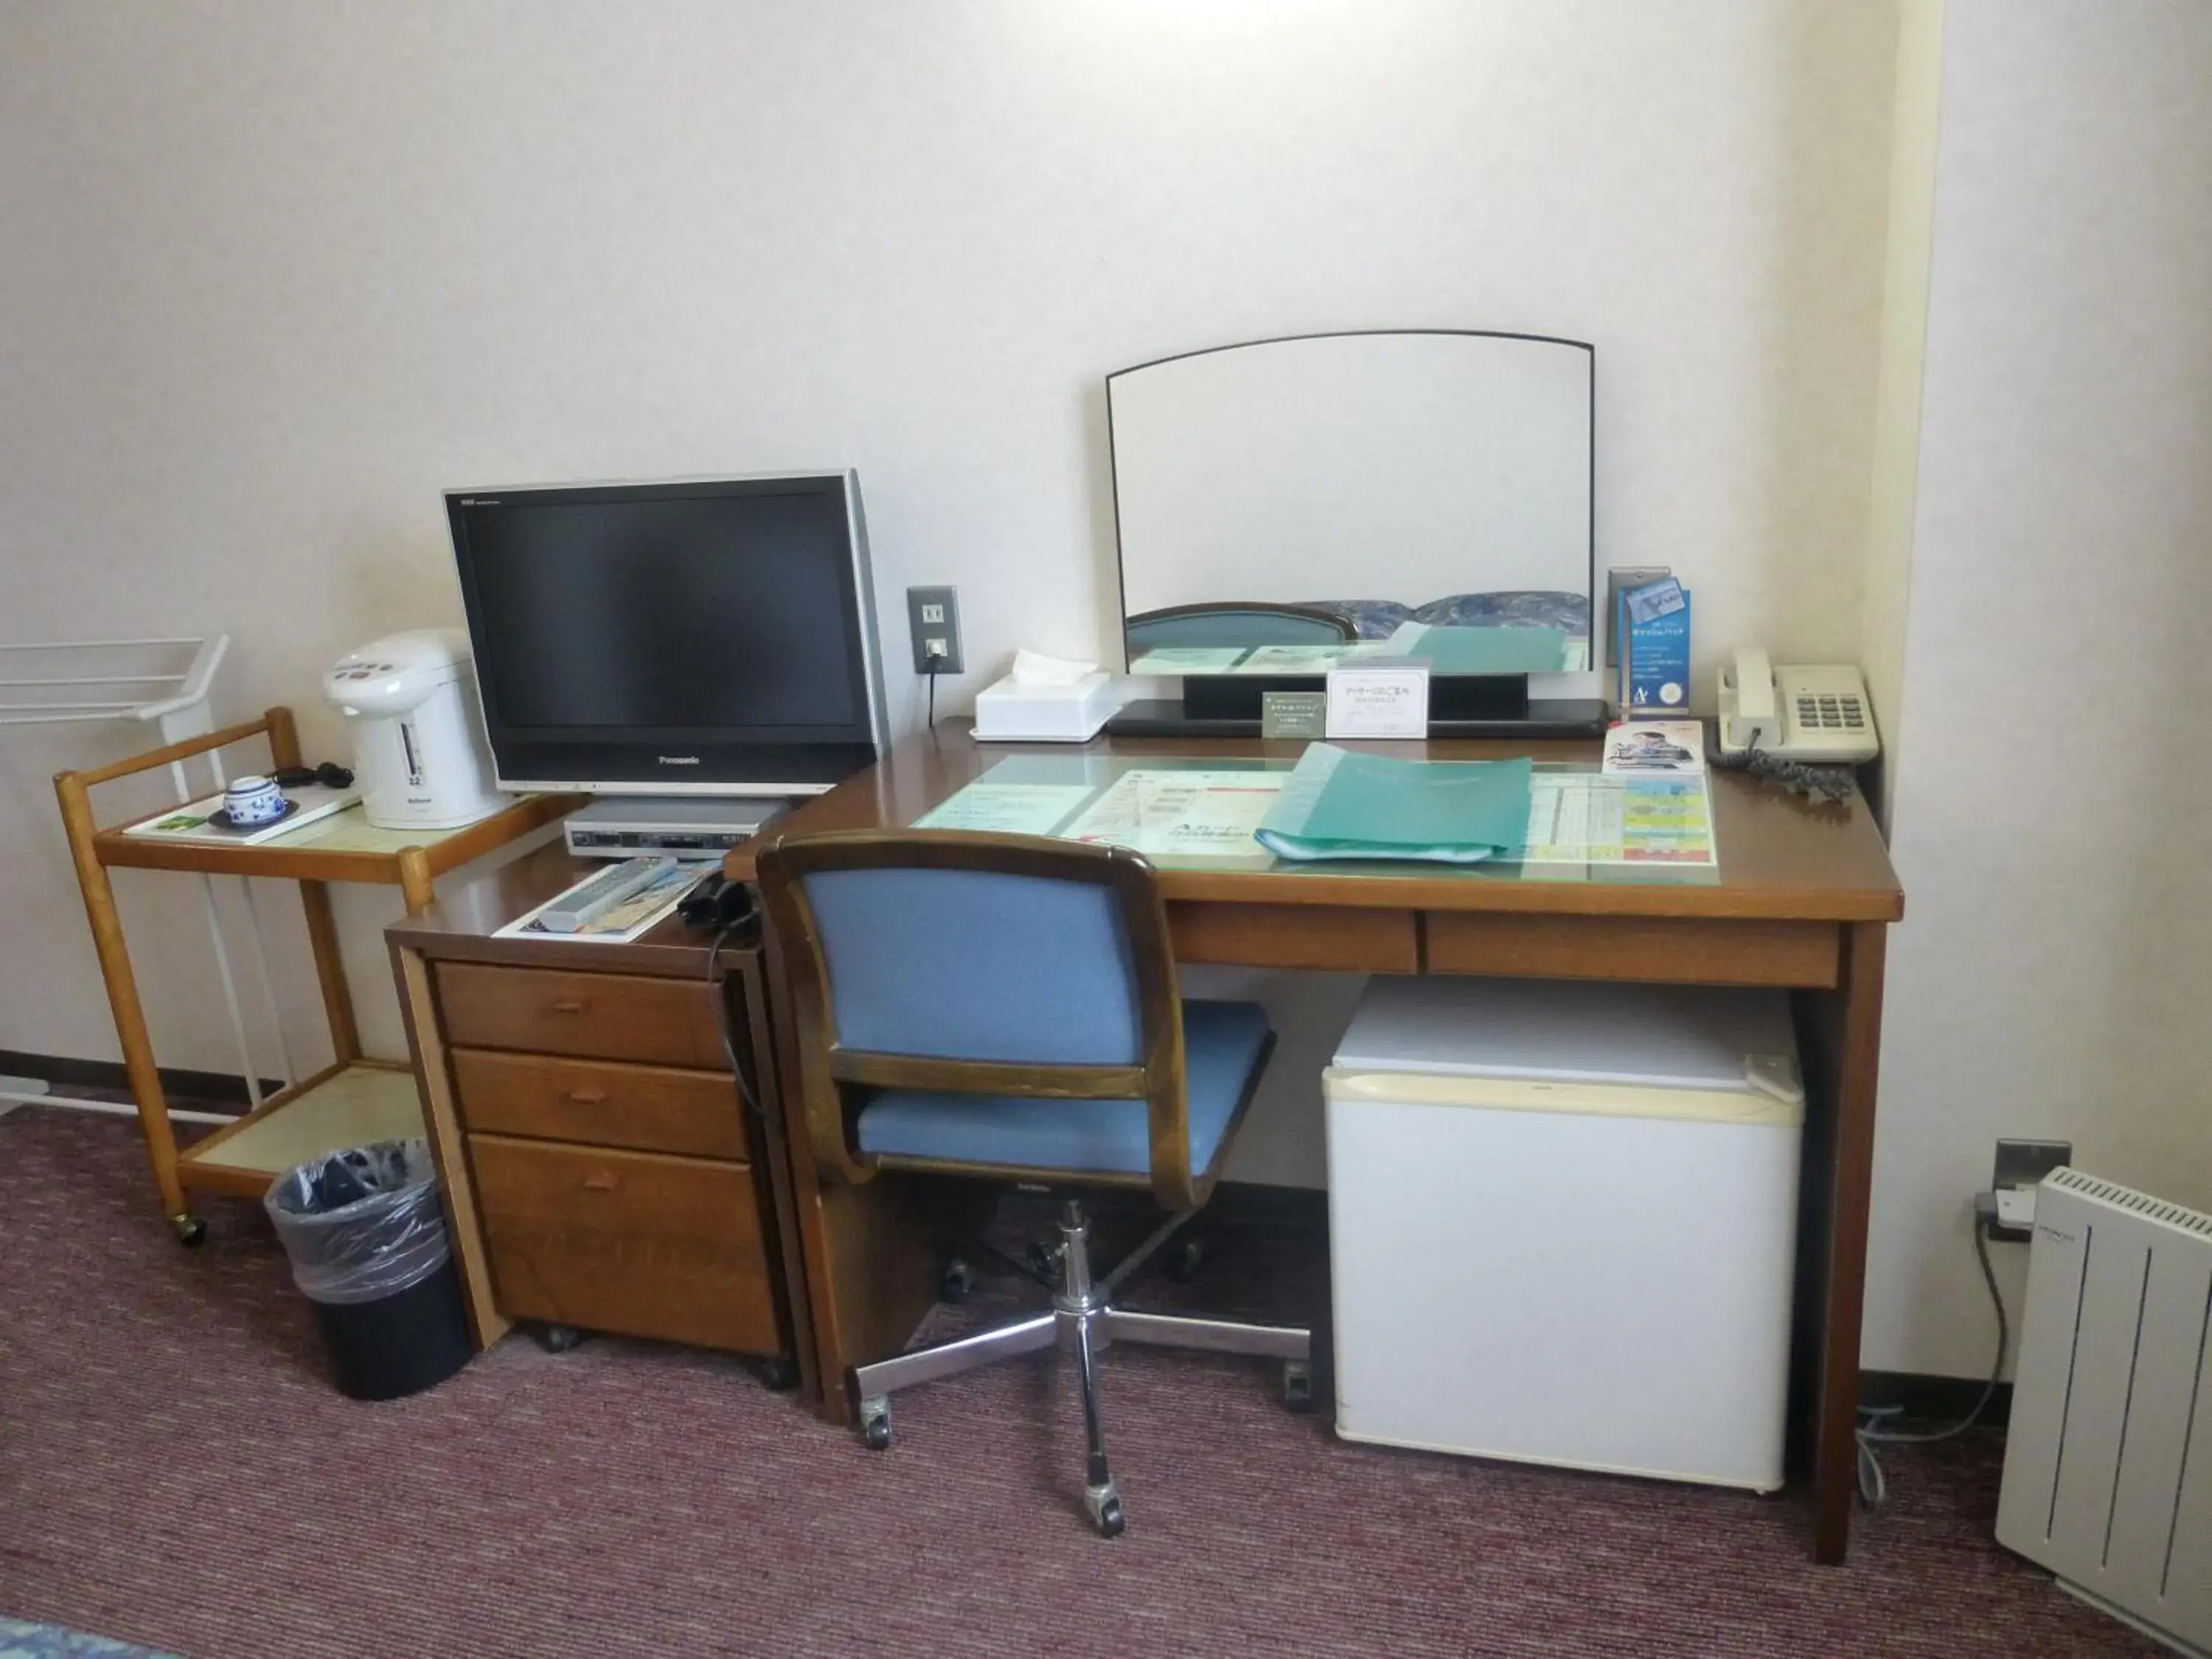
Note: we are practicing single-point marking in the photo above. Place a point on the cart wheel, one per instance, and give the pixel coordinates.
(558, 1339)
(191, 1231)
(780, 1375)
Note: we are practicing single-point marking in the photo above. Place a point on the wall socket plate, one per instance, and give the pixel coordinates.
(932, 618)
(2024, 1164)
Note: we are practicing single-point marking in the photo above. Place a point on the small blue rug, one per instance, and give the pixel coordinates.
(22, 1641)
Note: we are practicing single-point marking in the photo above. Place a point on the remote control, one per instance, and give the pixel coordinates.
(601, 893)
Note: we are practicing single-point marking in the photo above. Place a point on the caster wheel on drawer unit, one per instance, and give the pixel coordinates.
(191, 1230)
(558, 1339)
(1297, 1385)
(954, 1284)
(1186, 1259)
(876, 1424)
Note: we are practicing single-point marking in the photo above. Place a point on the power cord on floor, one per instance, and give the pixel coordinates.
(1874, 1485)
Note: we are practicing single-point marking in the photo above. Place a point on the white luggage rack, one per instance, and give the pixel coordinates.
(164, 684)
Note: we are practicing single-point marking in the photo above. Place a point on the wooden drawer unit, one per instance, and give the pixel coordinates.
(665, 1022)
(597, 1103)
(635, 1242)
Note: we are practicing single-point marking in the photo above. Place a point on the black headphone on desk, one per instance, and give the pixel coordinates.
(716, 902)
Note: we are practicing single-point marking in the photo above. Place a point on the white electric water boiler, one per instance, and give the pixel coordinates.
(418, 740)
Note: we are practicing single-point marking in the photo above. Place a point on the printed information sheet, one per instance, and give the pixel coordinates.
(1009, 809)
(1582, 818)
(1162, 814)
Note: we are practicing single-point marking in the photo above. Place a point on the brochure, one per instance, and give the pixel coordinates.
(1649, 747)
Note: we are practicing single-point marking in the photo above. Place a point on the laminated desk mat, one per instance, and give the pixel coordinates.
(1343, 803)
(1211, 815)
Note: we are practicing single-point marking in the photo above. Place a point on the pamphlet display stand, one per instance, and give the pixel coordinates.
(353, 1100)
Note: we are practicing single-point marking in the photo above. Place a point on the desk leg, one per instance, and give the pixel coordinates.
(1847, 1049)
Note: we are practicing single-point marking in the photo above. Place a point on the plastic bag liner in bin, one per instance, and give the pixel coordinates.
(367, 1236)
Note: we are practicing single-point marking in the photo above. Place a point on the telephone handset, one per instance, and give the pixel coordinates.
(1794, 711)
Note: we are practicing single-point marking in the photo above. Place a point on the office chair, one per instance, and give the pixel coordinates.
(1237, 623)
(1005, 1007)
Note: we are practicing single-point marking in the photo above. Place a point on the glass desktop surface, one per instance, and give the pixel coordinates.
(1191, 812)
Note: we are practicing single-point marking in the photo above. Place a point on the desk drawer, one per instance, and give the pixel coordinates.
(1676, 950)
(636, 1242)
(649, 1108)
(663, 1022)
(1295, 936)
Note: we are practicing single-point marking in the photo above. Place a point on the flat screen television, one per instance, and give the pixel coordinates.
(693, 637)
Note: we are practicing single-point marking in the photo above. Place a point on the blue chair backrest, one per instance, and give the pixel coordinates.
(969, 964)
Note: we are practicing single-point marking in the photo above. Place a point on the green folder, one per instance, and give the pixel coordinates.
(1342, 804)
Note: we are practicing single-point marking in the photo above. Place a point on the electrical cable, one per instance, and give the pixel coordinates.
(1873, 1487)
(929, 723)
(721, 1001)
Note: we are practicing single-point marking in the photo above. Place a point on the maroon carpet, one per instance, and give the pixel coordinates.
(175, 1471)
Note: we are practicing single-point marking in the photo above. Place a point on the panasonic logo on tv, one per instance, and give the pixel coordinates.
(678, 760)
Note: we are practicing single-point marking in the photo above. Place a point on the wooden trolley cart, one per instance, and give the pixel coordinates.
(353, 1100)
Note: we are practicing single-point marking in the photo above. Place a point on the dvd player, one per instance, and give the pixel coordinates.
(622, 826)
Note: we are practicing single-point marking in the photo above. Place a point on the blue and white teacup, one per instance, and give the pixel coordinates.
(253, 800)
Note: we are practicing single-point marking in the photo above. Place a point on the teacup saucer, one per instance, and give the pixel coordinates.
(220, 818)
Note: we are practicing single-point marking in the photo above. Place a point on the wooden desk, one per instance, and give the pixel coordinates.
(1803, 899)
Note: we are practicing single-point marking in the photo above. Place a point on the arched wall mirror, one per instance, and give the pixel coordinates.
(1279, 503)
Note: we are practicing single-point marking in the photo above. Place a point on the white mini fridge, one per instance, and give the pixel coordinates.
(1563, 1221)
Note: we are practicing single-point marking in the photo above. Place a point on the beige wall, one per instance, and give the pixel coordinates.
(274, 275)
(2051, 796)
(1915, 112)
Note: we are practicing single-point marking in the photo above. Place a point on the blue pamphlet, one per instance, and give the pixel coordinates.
(1651, 635)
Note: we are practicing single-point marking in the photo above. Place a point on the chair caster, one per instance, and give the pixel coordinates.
(779, 1375)
(1186, 1259)
(1297, 1384)
(1045, 1260)
(876, 1424)
(558, 1339)
(1104, 1503)
(191, 1230)
(954, 1284)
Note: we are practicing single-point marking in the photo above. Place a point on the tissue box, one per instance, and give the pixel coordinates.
(1013, 711)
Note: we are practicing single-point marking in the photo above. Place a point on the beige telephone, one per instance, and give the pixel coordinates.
(1799, 712)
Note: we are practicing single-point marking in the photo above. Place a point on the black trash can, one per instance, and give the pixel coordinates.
(367, 1241)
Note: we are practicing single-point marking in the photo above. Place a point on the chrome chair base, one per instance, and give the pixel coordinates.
(1083, 1322)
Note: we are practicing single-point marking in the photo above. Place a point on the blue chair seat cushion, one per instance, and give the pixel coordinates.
(1223, 1043)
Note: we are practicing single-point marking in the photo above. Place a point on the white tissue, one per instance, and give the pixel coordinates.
(1035, 668)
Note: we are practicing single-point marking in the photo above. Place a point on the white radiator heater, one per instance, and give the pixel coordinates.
(2108, 1466)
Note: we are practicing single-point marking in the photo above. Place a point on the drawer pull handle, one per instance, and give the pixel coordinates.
(588, 1096)
(598, 1183)
(570, 1006)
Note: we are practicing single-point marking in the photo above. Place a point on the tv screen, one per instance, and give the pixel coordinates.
(672, 637)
